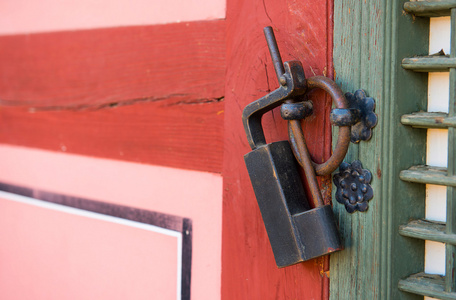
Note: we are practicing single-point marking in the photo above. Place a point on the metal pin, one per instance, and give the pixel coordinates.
(275, 54)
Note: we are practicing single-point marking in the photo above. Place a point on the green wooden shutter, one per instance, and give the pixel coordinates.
(442, 287)
(370, 40)
(381, 46)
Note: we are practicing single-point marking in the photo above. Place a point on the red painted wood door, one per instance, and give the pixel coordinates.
(111, 149)
(304, 32)
(155, 112)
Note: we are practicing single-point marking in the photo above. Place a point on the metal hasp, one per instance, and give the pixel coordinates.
(360, 116)
(353, 186)
(296, 232)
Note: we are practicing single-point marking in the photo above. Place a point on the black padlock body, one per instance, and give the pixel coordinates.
(318, 231)
(296, 232)
(279, 191)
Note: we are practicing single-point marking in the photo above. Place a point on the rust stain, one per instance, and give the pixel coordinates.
(326, 187)
(324, 270)
(379, 172)
(324, 274)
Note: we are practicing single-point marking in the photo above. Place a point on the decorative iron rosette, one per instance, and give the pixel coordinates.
(362, 130)
(353, 186)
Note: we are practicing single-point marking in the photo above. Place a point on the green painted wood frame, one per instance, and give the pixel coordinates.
(370, 40)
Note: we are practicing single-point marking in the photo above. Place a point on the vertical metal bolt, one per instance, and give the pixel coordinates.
(275, 55)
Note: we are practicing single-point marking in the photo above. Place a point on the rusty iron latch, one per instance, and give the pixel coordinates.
(296, 231)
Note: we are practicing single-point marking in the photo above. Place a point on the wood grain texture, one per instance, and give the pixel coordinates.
(428, 175)
(169, 132)
(450, 250)
(144, 94)
(114, 65)
(427, 285)
(303, 32)
(429, 120)
(429, 63)
(427, 230)
(430, 8)
(370, 40)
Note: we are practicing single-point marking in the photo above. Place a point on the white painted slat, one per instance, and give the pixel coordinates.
(439, 35)
(438, 92)
(437, 144)
(436, 210)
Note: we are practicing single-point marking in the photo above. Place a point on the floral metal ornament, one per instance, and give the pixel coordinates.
(353, 186)
(362, 130)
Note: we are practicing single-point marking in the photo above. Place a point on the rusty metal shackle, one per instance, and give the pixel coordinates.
(302, 86)
(298, 144)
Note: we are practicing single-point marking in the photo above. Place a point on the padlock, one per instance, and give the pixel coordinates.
(296, 232)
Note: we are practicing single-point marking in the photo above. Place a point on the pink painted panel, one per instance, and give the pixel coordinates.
(24, 16)
(47, 254)
(190, 194)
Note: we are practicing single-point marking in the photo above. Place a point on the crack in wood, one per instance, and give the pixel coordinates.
(198, 101)
(111, 105)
